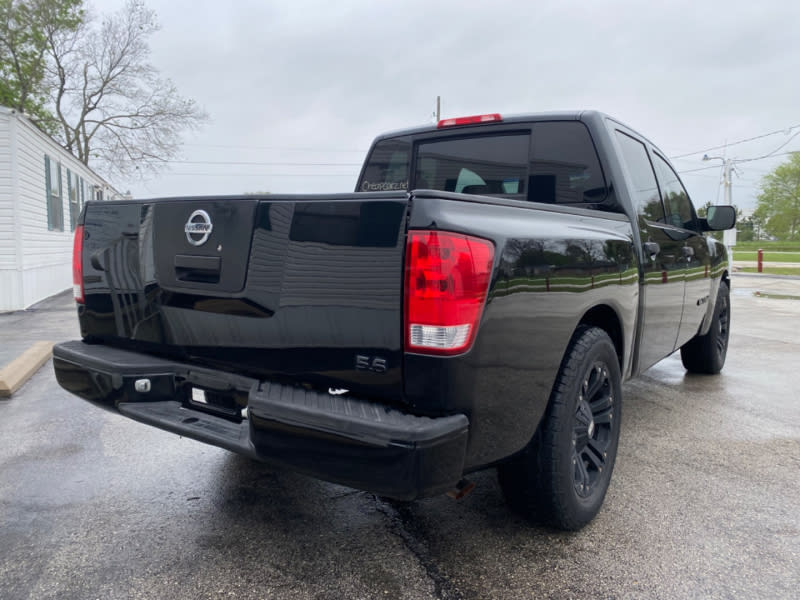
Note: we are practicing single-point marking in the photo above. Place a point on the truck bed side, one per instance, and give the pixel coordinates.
(555, 267)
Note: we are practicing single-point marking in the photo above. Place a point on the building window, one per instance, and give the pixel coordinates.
(55, 206)
(74, 184)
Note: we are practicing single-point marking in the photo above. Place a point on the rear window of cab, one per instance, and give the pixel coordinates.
(553, 162)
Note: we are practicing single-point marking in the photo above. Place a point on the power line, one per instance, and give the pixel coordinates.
(168, 173)
(699, 169)
(773, 153)
(705, 176)
(737, 142)
(261, 164)
(309, 164)
(739, 160)
(276, 148)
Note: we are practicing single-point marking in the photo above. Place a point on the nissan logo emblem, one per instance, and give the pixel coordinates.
(198, 228)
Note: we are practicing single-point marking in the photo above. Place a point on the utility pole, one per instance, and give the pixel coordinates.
(438, 108)
(729, 235)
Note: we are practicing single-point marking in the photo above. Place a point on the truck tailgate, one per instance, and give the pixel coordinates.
(302, 289)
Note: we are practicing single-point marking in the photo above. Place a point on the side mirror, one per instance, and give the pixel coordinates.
(719, 218)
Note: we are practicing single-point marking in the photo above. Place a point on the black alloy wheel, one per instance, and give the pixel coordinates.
(562, 476)
(592, 430)
(723, 324)
(706, 353)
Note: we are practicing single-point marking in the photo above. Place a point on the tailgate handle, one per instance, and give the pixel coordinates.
(202, 269)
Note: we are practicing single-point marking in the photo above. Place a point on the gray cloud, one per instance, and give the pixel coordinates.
(330, 76)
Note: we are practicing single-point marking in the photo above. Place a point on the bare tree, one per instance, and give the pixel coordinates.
(109, 102)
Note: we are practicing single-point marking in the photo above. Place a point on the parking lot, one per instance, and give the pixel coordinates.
(704, 501)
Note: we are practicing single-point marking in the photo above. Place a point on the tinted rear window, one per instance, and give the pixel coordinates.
(551, 162)
(486, 164)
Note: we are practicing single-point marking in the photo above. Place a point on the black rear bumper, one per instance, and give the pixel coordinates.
(337, 438)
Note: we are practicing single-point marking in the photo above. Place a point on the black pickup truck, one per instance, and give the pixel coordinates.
(476, 302)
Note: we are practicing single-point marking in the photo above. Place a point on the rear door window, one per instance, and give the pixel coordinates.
(679, 209)
(644, 189)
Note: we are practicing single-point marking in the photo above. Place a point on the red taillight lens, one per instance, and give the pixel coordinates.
(447, 277)
(472, 120)
(77, 264)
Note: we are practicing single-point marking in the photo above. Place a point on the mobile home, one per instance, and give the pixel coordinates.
(42, 190)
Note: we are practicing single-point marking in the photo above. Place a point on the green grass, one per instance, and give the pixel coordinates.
(772, 270)
(769, 255)
(780, 246)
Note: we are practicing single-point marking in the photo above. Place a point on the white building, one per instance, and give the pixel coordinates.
(42, 190)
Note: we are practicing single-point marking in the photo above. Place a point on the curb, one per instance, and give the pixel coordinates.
(19, 370)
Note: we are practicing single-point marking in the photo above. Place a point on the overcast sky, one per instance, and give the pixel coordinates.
(311, 83)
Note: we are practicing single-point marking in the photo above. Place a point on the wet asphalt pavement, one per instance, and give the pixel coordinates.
(704, 501)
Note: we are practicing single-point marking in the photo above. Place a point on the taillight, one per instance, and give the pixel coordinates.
(447, 277)
(77, 264)
(472, 120)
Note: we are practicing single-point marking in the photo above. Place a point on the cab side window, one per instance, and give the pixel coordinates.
(679, 209)
(564, 165)
(387, 167)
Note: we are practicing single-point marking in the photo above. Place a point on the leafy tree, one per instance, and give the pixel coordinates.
(91, 83)
(745, 229)
(759, 221)
(779, 200)
(25, 27)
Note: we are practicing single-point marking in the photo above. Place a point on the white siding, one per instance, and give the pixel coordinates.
(38, 263)
(39, 283)
(42, 247)
(8, 254)
(10, 290)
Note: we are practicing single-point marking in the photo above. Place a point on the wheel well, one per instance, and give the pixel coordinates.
(605, 318)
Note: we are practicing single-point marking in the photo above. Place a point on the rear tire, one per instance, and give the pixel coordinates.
(563, 474)
(706, 353)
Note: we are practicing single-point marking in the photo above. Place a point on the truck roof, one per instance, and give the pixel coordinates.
(574, 115)
(594, 117)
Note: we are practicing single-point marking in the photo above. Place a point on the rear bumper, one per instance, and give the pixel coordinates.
(346, 440)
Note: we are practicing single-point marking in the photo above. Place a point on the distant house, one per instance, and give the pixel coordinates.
(42, 190)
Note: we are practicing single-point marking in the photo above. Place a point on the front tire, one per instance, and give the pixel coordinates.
(706, 353)
(563, 475)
